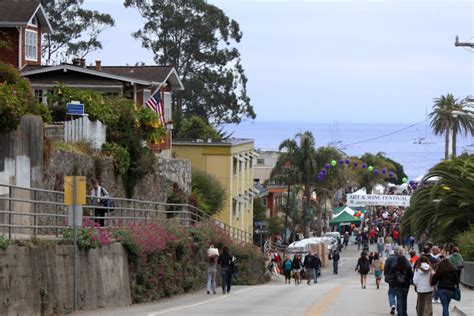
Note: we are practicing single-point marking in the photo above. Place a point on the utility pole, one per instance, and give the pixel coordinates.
(457, 43)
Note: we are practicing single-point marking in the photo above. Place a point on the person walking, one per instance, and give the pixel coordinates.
(317, 267)
(287, 267)
(403, 277)
(380, 246)
(297, 266)
(225, 260)
(363, 268)
(378, 269)
(100, 198)
(335, 261)
(309, 265)
(212, 255)
(423, 287)
(457, 261)
(346, 239)
(390, 278)
(446, 280)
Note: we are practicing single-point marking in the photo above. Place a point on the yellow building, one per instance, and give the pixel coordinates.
(232, 162)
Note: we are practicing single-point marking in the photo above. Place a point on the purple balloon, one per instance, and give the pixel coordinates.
(356, 164)
(391, 174)
(327, 166)
(384, 171)
(348, 161)
(411, 182)
(414, 187)
(341, 162)
(323, 171)
(376, 172)
(364, 165)
(320, 178)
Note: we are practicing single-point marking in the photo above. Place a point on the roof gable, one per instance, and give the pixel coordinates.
(20, 12)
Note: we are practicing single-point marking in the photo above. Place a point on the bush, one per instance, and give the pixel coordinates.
(196, 128)
(208, 192)
(4, 242)
(465, 242)
(120, 156)
(9, 74)
(89, 236)
(41, 110)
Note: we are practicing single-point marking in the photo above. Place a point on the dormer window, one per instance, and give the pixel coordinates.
(31, 45)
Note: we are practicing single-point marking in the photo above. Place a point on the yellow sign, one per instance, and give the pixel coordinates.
(69, 190)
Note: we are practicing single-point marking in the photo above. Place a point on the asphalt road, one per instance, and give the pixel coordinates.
(333, 295)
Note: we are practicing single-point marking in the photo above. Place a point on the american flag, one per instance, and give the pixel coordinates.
(155, 103)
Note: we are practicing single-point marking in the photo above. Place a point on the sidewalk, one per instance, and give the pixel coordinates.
(466, 305)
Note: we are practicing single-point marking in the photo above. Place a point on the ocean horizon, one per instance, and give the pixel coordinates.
(393, 139)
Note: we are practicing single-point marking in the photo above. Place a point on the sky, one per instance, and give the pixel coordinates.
(350, 61)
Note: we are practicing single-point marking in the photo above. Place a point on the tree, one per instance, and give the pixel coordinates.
(209, 192)
(76, 30)
(443, 121)
(446, 208)
(369, 179)
(196, 128)
(259, 210)
(197, 39)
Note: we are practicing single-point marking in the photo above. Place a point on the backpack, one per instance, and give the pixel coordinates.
(287, 265)
(400, 277)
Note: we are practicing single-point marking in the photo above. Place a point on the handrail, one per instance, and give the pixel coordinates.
(41, 202)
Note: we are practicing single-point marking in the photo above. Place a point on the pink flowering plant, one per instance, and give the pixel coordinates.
(89, 236)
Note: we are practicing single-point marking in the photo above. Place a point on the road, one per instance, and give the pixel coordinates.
(333, 295)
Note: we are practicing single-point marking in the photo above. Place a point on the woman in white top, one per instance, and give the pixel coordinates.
(100, 193)
(421, 280)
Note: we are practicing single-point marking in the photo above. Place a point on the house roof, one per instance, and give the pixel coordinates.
(121, 73)
(20, 12)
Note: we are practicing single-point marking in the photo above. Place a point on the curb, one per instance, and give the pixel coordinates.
(456, 309)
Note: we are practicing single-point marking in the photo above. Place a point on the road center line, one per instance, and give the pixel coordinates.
(317, 308)
(197, 304)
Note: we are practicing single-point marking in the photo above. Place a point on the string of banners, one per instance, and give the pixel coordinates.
(378, 199)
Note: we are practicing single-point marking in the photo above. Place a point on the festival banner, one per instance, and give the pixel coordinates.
(378, 199)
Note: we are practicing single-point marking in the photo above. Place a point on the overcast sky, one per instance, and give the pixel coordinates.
(351, 61)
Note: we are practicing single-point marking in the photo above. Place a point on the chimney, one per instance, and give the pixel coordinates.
(98, 65)
(82, 62)
(76, 61)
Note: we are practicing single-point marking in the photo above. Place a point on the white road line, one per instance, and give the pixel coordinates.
(200, 303)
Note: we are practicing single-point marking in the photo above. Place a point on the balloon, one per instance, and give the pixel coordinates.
(414, 186)
(370, 168)
(348, 161)
(356, 164)
(376, 171)
(364, 165)
(404, 180)
(341, 162)
(391, 174)
(333, 163)
(327, 166)
(384, 171)
(323, 171)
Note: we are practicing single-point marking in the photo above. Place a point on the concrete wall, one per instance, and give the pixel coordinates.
(38, 280)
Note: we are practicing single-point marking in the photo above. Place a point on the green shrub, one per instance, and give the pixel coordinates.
(9, 74)
(465, 242)
(153, 131)
(120, 156)
(208, 191)
(80, 147)
(41, 110)
(4, 242)
(195, 127)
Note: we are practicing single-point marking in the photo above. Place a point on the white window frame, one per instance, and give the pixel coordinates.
(146, 95)
(31, 46)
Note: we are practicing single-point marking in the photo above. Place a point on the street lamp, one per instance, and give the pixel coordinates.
(287, 168)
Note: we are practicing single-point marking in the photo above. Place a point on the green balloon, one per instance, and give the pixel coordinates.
(333, 163)
(370, 168)
(404, 180)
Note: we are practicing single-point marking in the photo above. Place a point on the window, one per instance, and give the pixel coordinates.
(260, 161)
(31, 45)
(240, 166)
(234, 166)
(146, 95)
(39, 96)
(251, 162)
(234, 207)
(167, 106)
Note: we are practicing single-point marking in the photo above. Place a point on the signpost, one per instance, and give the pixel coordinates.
(74, 198)
(75, 108)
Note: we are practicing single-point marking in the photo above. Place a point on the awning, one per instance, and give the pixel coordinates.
(344, 218)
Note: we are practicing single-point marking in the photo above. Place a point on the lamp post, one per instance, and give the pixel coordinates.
(287, 168)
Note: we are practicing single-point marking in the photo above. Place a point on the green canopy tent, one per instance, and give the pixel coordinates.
(344, 218)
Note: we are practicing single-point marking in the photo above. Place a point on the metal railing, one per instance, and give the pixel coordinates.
(38, 212)
(467, 274)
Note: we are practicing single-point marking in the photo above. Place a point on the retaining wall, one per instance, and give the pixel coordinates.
(38, 280)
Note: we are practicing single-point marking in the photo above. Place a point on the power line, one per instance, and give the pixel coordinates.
(385, 135)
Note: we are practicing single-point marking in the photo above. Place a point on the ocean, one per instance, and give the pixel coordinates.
(359, 138)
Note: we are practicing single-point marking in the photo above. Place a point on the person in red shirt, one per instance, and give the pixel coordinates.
(372, 234)
(396, 236)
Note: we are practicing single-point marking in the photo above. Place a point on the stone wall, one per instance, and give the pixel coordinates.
(38, 280)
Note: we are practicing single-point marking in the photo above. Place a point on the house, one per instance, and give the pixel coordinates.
(22, 24)
(232, 162)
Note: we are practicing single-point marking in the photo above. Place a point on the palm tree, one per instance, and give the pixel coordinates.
(300, 156)
(446, 208)
(443, 121)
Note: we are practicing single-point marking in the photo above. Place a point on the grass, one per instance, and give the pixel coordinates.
(82, 147)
